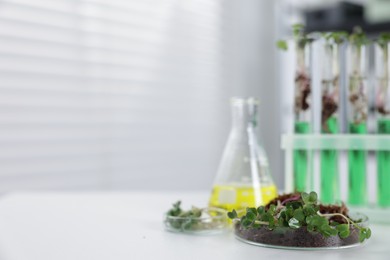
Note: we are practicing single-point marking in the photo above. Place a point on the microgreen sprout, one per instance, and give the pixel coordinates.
(338, 37)
(304, 211)
(297, 29)
(282, 45)
(299, 35)
(186, 219)
(358, 37)
(195, 219)
(383, 40)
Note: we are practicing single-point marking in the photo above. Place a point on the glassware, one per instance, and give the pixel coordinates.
(329, 192)
(300, 238)
(382, 104)
(212, 221)
(357, 120)
(243, 178)
(302, 112)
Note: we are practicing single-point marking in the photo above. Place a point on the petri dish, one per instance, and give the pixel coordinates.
(301, 238)
(212, 221)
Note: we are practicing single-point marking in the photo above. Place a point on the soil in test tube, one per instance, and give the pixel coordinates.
(383, 164)
(329, 166)
(357, 169)
(301, 164)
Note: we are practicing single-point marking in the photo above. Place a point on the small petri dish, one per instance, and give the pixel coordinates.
(299, 239)
(212, 221)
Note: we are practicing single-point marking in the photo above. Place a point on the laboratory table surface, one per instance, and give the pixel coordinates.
(129, 225)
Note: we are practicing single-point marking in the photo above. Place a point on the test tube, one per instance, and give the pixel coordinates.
(382, 107)
(357, 118)
(302, 111)
(329, 191)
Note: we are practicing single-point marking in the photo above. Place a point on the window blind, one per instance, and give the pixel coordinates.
(110, 93)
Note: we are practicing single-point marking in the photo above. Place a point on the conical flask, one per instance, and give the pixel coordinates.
(243, 178)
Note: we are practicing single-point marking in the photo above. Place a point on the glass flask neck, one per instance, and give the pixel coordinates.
(244, 113)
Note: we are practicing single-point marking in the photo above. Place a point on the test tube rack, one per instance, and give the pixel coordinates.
(314, 143)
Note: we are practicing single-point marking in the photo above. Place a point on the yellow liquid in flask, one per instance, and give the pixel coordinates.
(231, 197)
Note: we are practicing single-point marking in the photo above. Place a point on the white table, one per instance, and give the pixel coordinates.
(128, 225)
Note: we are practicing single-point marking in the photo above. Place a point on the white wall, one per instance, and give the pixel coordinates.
(129, 94)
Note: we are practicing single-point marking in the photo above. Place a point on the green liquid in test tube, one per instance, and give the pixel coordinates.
(329, 167)
(357, 169)
(383, 165)
(301, 164)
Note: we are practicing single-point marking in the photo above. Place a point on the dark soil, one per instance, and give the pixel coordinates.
(329, 107)
(283, 198)
(324, 209)
(382, 110)
(301, 102)
(294, 237)
(301, 237)
(342, 209)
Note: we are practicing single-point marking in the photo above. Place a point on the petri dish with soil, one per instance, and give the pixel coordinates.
(290, 223)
